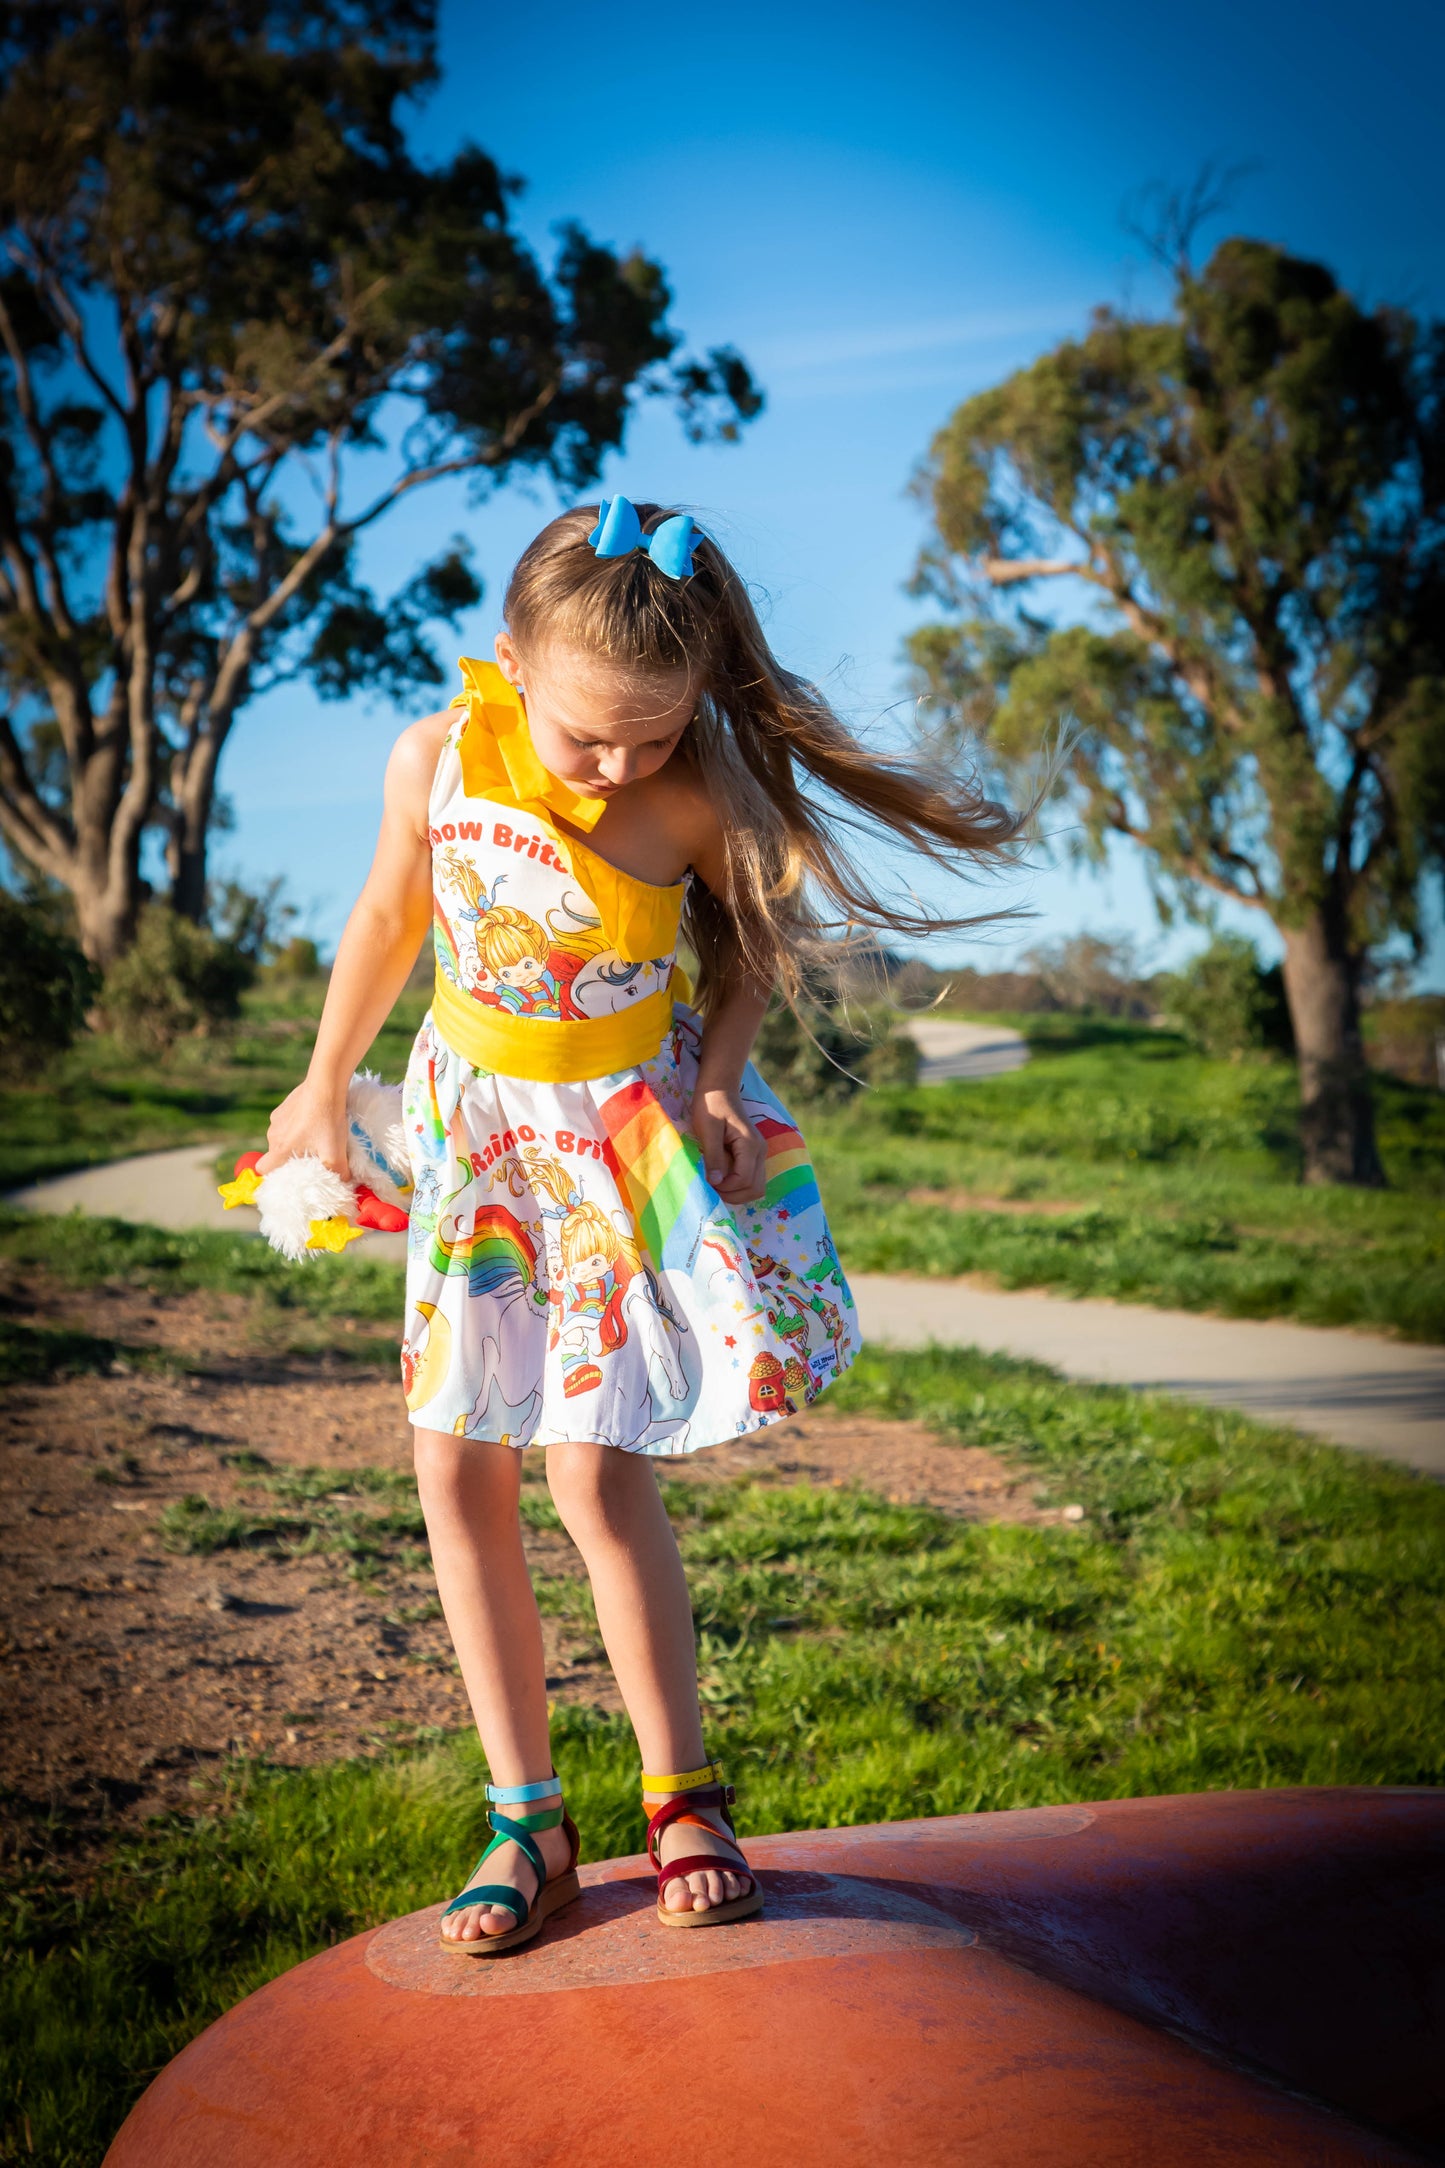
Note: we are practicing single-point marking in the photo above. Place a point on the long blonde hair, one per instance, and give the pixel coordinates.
(759, 739)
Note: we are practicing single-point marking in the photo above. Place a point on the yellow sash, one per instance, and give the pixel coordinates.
(547, 1052)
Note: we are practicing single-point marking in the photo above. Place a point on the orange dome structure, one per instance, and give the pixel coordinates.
(1228, 1978)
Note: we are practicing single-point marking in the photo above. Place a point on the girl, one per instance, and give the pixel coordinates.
(617, 1247)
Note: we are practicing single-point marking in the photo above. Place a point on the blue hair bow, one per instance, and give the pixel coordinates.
(619, 532)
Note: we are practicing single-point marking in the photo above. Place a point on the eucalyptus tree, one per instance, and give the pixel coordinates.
(1240, 511)
(240, 322)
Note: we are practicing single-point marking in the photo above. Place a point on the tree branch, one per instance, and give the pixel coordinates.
(27, 819)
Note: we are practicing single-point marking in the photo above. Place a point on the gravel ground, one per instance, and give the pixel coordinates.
(133, 1668)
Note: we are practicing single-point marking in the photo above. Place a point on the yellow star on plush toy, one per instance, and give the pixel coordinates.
(241, 1191)
(332, 1234)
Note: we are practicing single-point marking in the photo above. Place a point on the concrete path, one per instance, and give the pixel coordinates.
(1385, 1397)
(952, 1049)
(167, 1189)
(1378, 1396)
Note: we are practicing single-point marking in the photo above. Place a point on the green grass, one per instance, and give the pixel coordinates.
(369, 1516)
(1181, 1174)
(1238, 1607)
(83, 1252)
(99, 1103)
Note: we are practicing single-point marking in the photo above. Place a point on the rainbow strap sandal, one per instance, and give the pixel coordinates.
(548, 1897)
(696, 1788)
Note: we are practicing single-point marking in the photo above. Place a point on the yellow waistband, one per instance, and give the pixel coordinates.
(547, 1052)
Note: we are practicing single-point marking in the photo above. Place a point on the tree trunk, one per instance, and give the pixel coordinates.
(1337, 1114)
(104, 879)
(194, 789)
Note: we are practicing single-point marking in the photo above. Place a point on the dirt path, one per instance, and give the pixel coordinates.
(135, 1667)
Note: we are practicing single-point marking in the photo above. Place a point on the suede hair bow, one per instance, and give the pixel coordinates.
(619, 532)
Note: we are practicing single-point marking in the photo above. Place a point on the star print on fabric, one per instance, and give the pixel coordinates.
(783, 1212)
(728, 1340)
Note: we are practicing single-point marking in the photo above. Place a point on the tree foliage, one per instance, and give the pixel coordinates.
(239, 322)
(1244, 505)
(46, 986)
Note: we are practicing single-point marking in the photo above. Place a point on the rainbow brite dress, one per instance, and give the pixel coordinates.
(571, 1274)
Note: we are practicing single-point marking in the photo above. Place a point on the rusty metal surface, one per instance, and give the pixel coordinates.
(613, 1934)
(1127, 1957)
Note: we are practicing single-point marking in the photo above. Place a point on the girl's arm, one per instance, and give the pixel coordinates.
(734, 1155)
(376, 953)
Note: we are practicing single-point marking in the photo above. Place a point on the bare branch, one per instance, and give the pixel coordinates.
(1009, 571)
(39, 833)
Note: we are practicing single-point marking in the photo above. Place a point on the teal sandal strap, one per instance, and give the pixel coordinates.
(518, 1831)
(494, 1893)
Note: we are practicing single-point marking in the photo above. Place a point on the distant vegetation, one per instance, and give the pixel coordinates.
(1121, 1161)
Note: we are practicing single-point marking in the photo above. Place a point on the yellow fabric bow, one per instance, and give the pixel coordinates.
(499, 762)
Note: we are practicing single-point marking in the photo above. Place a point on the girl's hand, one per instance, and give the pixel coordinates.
(306, 1121)
(734, 1156)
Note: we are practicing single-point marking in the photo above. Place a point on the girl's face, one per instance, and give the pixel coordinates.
(594, 1267)
(595, 725)
(523, 973)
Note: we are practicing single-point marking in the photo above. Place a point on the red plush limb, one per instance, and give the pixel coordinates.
(372, 1211)
(246, 1161)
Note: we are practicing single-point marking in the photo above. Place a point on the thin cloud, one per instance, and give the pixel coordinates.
(889, 342)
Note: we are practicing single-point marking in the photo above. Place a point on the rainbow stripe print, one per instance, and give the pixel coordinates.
(660, 1173)
(791, 1180)
(497, 1254)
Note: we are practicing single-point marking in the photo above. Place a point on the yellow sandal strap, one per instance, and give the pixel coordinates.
(690, 1780)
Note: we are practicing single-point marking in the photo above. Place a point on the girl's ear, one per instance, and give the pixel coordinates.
(508, 660)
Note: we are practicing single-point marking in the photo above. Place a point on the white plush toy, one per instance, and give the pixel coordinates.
(305, 1208)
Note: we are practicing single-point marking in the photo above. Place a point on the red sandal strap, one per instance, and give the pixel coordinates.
(700, 1863)
(678, 1870)
(678, 1809)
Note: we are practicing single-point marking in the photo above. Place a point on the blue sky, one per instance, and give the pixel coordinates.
(886, 208)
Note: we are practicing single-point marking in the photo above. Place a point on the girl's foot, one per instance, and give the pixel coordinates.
(700, 1890)
(509, 1864)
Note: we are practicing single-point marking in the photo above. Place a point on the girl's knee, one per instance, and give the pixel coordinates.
(592, 1486)
(436, 1456)
(448, 1466)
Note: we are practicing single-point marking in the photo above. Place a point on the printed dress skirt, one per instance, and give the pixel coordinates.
(572, 1275)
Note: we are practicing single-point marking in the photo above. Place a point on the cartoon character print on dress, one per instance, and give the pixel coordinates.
(526, 942)
(572, 1275)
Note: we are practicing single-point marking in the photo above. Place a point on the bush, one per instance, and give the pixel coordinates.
(300, 958)
(176, 977)
(1225, 1003)
(46, 986)
(825, 1056)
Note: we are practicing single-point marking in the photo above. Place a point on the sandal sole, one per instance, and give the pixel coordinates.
(554, 1896)
(737, 1908)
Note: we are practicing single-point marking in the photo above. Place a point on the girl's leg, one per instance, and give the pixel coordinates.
(469, 1493)
(612, 1509)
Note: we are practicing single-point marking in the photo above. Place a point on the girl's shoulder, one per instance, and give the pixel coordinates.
(413, 763)
(681, 794)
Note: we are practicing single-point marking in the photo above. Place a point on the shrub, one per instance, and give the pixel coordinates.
(1225, 1003)
(299, 958)
(893, 1060)
(46, 986)
(176, 977)
(829, 1054)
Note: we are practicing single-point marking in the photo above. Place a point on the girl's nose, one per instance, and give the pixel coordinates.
(617, 763)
